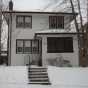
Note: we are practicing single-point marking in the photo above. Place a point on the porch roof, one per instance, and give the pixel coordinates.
(56, 31)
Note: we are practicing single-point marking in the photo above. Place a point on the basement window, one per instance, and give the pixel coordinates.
(24, 46)
(56, 22)
(24, 21)
(59, 44)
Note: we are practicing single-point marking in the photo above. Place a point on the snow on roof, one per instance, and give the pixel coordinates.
(62, 31)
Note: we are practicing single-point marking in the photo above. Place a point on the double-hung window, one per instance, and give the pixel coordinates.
(27, 46)
(19, 46)
(23, 21)
(56, 22)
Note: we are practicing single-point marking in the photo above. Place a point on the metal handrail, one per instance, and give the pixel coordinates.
(29, 63)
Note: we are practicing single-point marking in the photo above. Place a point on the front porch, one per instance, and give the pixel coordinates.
(58, 49)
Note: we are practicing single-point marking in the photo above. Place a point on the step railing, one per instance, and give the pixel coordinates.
(29, 63)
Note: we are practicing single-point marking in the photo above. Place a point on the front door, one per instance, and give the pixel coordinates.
(40, 53)
(34, 55)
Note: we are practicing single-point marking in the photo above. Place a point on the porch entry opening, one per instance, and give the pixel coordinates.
(31, 49)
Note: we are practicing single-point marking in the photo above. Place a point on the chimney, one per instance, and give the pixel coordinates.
(10, 5)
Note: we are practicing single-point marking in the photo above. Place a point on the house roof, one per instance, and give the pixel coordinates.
(37, 12)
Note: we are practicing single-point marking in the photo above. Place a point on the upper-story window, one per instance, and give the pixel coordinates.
(56, 22)
(24, 21)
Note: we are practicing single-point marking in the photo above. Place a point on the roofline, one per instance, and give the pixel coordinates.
(72, 33)
(37, 12)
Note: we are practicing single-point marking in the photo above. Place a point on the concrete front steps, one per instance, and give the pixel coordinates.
(38, 75)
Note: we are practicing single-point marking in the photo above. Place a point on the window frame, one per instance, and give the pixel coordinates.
(24, 40)
(17, 46)
(24, 23)
(57, 21)
(63, 50)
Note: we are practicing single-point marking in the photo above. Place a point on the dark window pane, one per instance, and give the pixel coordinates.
(35, 46)
(60, 22)
(34, 49)
(27, 25)
(19, 46)
(20, 21)
(20, 25)
(19, 49)
(28, 22)
(68, 45)
(56, 22)
(27, 49)
(24, 21)
(59, 44)
(27, 46)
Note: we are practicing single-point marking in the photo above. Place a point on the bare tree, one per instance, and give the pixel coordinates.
(0, 24)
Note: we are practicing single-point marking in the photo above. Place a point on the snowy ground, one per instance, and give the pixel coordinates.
(13, 75)
(17, 77)
(68, 76)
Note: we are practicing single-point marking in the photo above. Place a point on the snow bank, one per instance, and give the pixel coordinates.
(68, 76)
(13, 75)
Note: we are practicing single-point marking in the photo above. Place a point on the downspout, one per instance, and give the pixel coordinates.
(9, 38)
(10, 31)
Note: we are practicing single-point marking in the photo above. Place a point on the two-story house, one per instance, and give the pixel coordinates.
(41, 38)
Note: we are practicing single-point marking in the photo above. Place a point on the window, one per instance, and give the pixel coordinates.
(24, 21)
(35, 46)
(59, 44)
(56, 22)
(19, 46)
(27, 46)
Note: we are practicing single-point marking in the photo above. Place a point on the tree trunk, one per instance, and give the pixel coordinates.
(77, 29)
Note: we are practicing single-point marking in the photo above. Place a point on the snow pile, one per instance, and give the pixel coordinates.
(68, 76)
(13, 75)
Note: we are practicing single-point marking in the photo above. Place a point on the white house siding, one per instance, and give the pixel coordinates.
(72, 57)
(66, 24)
(39, 22)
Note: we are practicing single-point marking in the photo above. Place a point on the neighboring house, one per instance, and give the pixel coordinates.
(3, 58)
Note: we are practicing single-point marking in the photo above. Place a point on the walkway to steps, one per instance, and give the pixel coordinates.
(38, 75)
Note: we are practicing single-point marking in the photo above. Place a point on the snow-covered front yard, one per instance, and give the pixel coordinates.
(17, 77)
(13, 75)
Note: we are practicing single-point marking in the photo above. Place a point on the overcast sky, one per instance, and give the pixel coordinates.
(27, 5)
